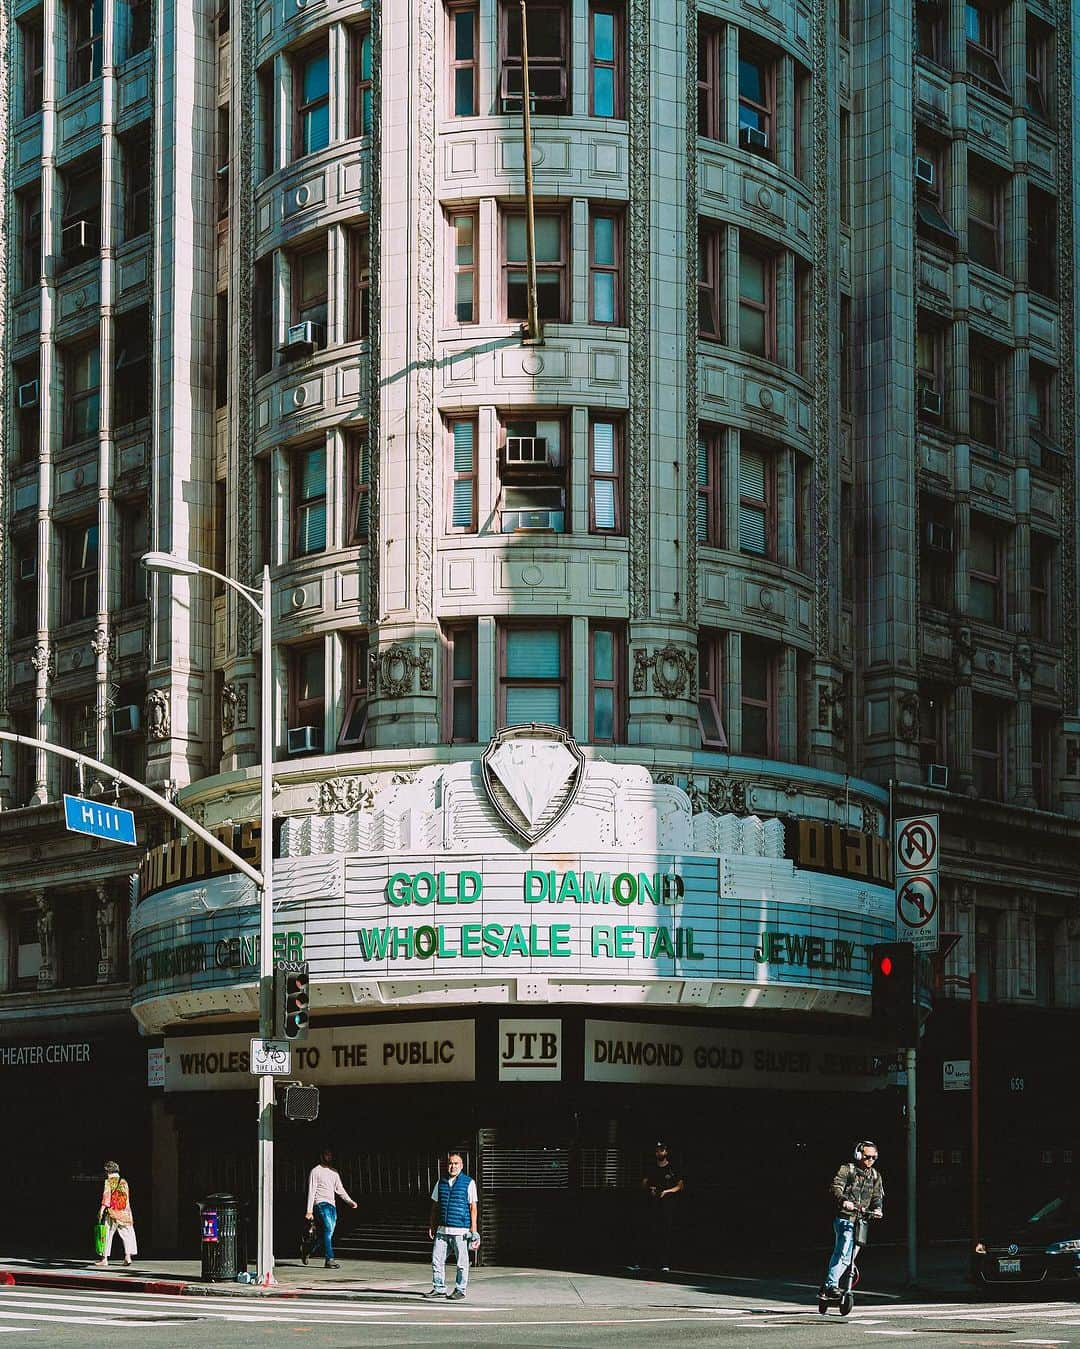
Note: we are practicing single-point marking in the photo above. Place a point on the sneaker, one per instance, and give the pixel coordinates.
(303, 1257)
(331, 1264)
(665, 1269)
(435, 1292)
(457, 1296)
(633, 1269)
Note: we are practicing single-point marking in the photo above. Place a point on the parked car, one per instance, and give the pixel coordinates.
(1039, 1250)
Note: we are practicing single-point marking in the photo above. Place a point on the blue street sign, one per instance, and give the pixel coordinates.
(99, 820)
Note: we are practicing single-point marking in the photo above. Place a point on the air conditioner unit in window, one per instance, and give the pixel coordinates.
(937, 775)
(79, 235)
(533, 521)
(939, 536)
(750, 138)
(125, 720)
(27, 394)
(526, 450)
(302, 338)
(304, 739)
(27, 568)
(930, 401)
(925, 171)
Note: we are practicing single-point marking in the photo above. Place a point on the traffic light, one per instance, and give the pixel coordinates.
(292, 998)
(893, 988)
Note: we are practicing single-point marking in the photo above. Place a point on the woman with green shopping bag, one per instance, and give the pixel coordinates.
(116, 1216)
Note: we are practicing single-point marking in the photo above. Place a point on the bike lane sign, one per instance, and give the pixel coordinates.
(918, 908)
(270, 1058)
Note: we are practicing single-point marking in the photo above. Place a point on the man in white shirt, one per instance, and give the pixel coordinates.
(453, 1208)
(324, 1185)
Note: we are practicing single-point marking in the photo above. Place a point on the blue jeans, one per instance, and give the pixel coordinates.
(326, 1215)
(438, 1261)
(844, 1228)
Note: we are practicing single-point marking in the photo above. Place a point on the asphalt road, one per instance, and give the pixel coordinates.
(40, 1318)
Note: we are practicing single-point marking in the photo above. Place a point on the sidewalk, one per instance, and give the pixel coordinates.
(942, 1277)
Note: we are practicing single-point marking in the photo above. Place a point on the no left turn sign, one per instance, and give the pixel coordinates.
(917, 901)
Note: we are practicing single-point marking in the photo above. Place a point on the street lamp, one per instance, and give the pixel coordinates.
(259, 599)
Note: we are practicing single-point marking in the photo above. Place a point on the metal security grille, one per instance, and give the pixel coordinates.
(525, 1168)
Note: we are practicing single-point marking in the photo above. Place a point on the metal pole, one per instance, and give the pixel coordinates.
(533, 320)
(266, 944)
(973, 1010)
(912, 1187)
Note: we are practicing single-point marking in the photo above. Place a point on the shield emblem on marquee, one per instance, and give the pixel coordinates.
(532, 775)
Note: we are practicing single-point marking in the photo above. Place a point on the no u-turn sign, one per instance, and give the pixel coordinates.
(918, 908)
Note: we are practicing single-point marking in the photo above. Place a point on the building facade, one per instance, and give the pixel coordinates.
(775, 533)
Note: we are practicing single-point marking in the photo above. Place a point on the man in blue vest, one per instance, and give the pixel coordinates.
(453, 1220)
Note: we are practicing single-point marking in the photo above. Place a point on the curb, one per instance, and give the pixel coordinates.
(58, 1279)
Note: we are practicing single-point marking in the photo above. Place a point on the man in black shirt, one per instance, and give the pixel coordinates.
(661, 1184)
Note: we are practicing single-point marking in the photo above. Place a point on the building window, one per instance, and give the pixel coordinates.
(26, 382)
(984, 393)
(309, 500)
(929, 29)
(134, 541)
(32, 37)
(607, 717)
(460, 683)
(138, 182)
(463, 231)
(24, 583)
(605, 60)
(710, 80)
(83, 24)
(549, 57)
(605, 476)
(988, 747)
(360, 110)
(80, 559)
(552, 271)
(358, 451)
(710, 690)
(312, 100)
(986, 954)
(223, 160)
(757, 97)
(710, 272)
(1042, 243)
(221, 349)
(262, 314)
(937, 551)
(29, 207)
(532, 470)
(804, 513)
(1046, 948)
(931, 223)
(359, 311)
(804, 331)
(982, 27)
(1037, 66)
(986, 571)
(709, 515)
(82, 393)
(533, 683)
(933, 725)
(758, 698)
(605, 267)
(27, 942)
(78, 732)
(461, 512)
(266, 97)
(354, 722)
(139, 27)
(1042, 580)
(929, 380)
(757, 501)
(80, 226)
(310, 290)
(1043, 729)
(464, 43)
(757, 302)
(307, 698)
(984, 216)
(131, 376)
(1041, 418)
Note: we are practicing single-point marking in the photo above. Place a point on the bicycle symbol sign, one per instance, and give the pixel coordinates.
(270, 1057)
(917, 845)
(917, 901)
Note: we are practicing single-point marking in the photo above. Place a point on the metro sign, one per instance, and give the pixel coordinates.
(99, 821)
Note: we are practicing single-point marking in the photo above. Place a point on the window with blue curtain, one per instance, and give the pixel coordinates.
(533, 676)
(463, 503)
(753, 502)
(310, 496)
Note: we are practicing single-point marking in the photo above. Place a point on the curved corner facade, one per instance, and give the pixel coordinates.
(604, 657)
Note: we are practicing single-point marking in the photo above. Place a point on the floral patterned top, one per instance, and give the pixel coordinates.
(116, 1200)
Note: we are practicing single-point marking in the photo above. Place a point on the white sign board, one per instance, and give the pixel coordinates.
(530, 1051)
(270, 1058)
(918, 882)
(155, 1067)
(956, 1075)
(414, 1051)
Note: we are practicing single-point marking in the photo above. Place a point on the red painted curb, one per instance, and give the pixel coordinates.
(45, 1279)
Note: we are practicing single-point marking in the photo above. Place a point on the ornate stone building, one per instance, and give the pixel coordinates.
(779, 515)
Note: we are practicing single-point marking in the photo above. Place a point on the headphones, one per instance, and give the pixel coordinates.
(866, 1143)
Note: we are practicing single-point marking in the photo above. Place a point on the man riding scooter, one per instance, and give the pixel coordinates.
(857, 1189)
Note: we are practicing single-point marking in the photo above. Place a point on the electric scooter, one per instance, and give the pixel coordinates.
(844, 1298)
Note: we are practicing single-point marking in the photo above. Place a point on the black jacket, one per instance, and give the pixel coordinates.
(862, 1187)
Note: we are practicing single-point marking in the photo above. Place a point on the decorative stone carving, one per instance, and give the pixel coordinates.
(108, 929)
(344, 794)
(234, 707)
(727, 796)
(1072, 758)
(963, 651)
(396, 666)
(673, 670)
(869, 818)
(690, 370)
(156, 712)
(907, 717)
(1066, 331)
(1024, 667)
(639, 246)
(374, 409)
(423, 377)
(43, 659)
(46, 934)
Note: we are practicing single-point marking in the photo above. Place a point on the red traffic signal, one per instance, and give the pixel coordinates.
(892, 988)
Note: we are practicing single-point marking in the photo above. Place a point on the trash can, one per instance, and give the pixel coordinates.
(219, 1216)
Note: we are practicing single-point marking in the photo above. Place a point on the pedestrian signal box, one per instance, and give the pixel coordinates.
(292, 999)
(893, 993)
